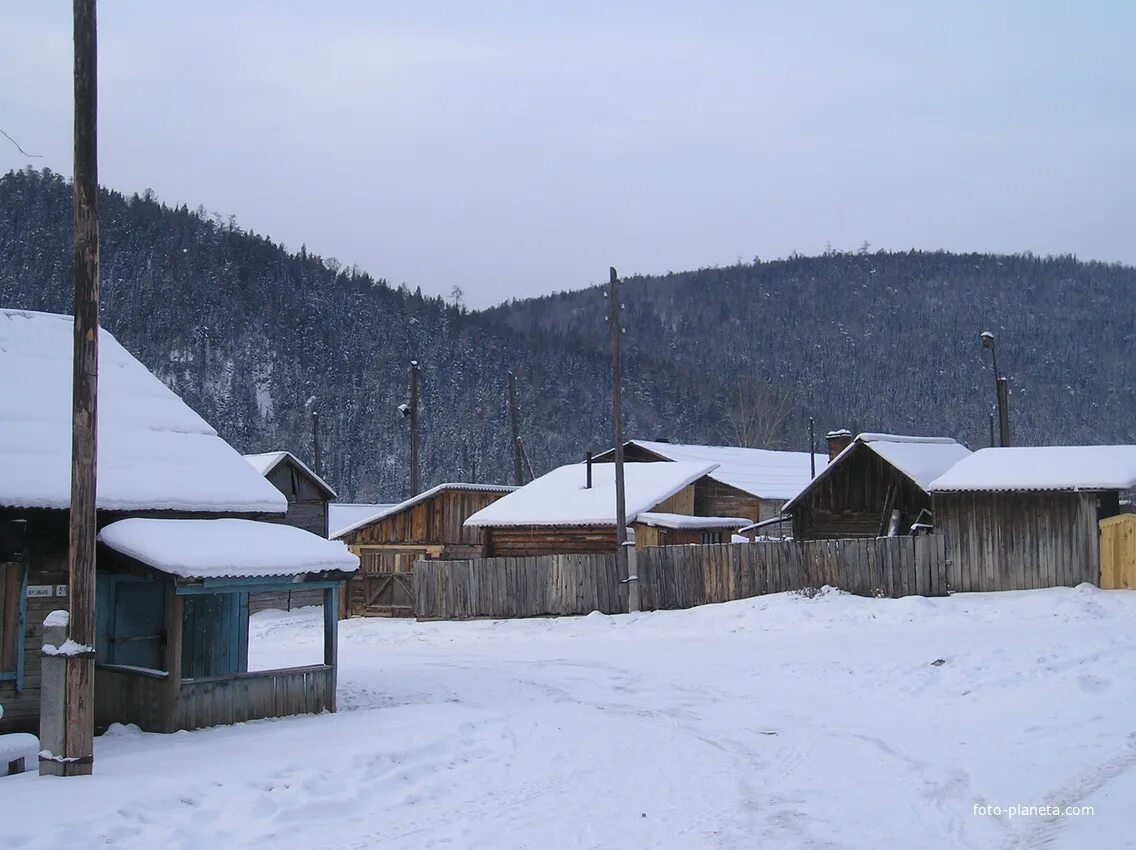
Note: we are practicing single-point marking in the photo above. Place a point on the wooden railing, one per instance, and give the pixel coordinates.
(147, 698)
(251, 696)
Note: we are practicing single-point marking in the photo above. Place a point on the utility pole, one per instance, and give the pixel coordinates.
(1001, 390)
(812, 448)
(514, 424)
(623, 566)
(317, 460)
(413, 428)
(77, 757)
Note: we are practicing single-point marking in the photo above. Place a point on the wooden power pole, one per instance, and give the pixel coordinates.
(514, 425)
(77, 757)
(621, 554)
(413, 428)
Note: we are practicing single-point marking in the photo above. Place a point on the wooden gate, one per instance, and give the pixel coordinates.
(384, 584)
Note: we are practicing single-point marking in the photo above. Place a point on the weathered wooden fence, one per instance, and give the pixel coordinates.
(676, 577)
(518, 587)
(685, 576)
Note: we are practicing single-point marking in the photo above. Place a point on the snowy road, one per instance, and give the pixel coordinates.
(777, 722)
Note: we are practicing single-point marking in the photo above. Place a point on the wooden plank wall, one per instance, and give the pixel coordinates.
(1019, 541)
(252, 696)
(677, 577)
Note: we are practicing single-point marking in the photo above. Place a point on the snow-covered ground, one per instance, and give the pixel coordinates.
(778, 722)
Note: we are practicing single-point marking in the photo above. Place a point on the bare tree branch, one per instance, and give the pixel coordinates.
(20, 149)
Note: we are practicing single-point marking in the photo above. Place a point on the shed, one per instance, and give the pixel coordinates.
(875, 487)
(1025, 517)
(559, 513)
(156, 458)
(173, 609)
(746, 482)
(308, 495)
(309, 498)
(426, 527)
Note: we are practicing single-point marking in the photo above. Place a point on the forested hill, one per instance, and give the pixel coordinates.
(247, 333)
(889, 341)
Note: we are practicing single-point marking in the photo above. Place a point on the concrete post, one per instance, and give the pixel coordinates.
(53, 693)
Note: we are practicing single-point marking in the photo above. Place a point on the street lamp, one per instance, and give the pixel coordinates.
(1001, 390)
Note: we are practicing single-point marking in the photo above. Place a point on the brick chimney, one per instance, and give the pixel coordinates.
(837, 441)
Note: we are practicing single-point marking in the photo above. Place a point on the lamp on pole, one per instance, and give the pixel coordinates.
(1001, 390)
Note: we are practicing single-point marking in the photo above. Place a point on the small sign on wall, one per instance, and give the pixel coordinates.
(40, 591)
(60, 590)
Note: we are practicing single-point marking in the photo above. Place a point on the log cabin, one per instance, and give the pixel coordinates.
(874, 486)
(751, 483)
(429, 526)
(157, 459)
(1025, 517)
(571, 510)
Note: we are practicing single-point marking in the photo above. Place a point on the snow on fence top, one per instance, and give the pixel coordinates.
(561, 496)
(1020, 468)
(226, 548)
(344, 516)
(682, 521)
(384, 511)
(764, 473)
(265, 462)
(155, 453)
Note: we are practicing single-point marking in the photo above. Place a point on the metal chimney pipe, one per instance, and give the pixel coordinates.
(589, 462)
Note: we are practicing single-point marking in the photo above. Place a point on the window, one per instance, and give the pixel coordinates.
(711, 537)
(13, 580)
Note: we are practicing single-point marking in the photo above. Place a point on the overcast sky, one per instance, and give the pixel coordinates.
(519, 148)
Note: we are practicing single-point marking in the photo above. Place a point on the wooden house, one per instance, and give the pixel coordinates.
(343, 516)
(751, 483)
(876, 486)
(308, 495)
(571, 510)
(428, 526)
(1026, 517)
(157, 459)
(309, 500)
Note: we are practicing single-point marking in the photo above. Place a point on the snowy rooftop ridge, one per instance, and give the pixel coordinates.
(265, 462)
(1042, 468)
(226, 548)
(561, 498)
(383, 511)
(765, 473)
(155, 453)
(922, 459)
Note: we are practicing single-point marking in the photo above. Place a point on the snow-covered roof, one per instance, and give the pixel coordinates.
(343, 516)
(922, 459)
(765, 473)
(155, 453)
(560, 497)
(385, 511)
(665, 520)
(226, 548)
(1017, 468)
(265, 462)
